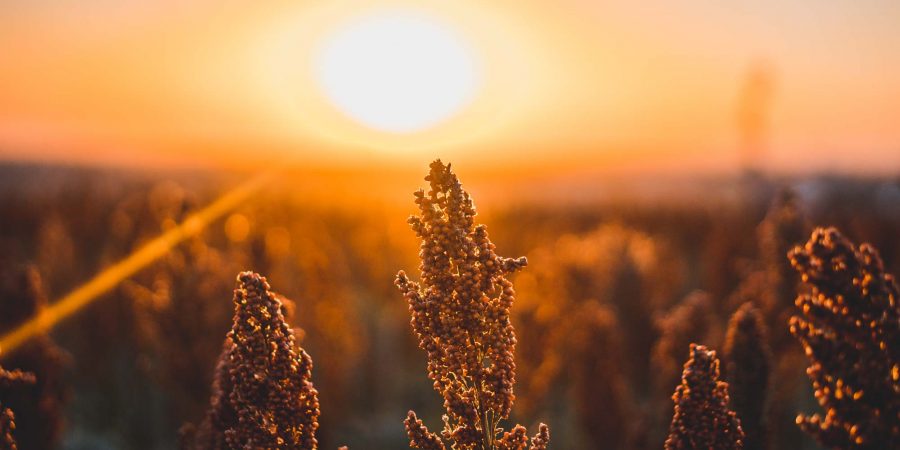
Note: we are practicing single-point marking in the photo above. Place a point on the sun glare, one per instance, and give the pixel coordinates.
(398, 71)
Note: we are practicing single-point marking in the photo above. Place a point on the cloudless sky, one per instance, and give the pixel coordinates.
(651, 85)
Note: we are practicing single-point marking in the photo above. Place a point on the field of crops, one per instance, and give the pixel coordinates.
(592, 336)
(449, 225)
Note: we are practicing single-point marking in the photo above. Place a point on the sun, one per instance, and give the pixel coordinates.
(397, 71)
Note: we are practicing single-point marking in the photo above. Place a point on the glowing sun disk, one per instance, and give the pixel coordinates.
(396, 71)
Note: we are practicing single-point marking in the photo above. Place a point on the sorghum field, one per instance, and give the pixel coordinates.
(755, 313)
(449, 225)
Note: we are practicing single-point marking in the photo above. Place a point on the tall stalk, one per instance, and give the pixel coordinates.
(461, 317)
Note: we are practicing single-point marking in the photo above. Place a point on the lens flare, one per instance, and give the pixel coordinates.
(110, 277)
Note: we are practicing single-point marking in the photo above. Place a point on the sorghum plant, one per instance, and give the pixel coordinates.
(690, 321)
(628, 271)
(702, 420)
(460, 315)
(173, 327)
(39, 406)
(849, 325)
(784, 227)
(693, 320)
(7, 425)
(748, 362)
(772, 286)
(10, 381)
(263, 396)
(602, 398)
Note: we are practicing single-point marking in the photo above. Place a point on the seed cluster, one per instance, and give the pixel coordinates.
(516, 439)
(461, 315)
(693, 320)
(40, 407)
(849, 325)
(702, 420)
(771, 283)
(7, 426)
(263, 397)
(784, 227)
(418, 434)
(748, 364)
(10, 380)
(541, 441)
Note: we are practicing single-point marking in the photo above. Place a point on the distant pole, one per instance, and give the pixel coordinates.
(753, 109)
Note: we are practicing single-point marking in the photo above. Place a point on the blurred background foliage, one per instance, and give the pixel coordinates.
(618, 284)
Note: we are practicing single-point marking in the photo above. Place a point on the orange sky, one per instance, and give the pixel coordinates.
(635, 86)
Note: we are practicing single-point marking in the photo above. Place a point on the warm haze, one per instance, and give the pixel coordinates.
(643, 225)
(597, 85)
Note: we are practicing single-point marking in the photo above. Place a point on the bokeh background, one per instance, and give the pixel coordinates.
(655, 162)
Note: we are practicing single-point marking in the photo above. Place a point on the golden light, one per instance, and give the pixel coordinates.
(499, 81)
(398, 71)
(107, 279)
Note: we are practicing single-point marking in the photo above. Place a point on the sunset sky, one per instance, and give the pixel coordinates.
(580, 84)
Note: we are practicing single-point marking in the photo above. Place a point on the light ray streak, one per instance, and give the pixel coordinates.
(113, 275)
